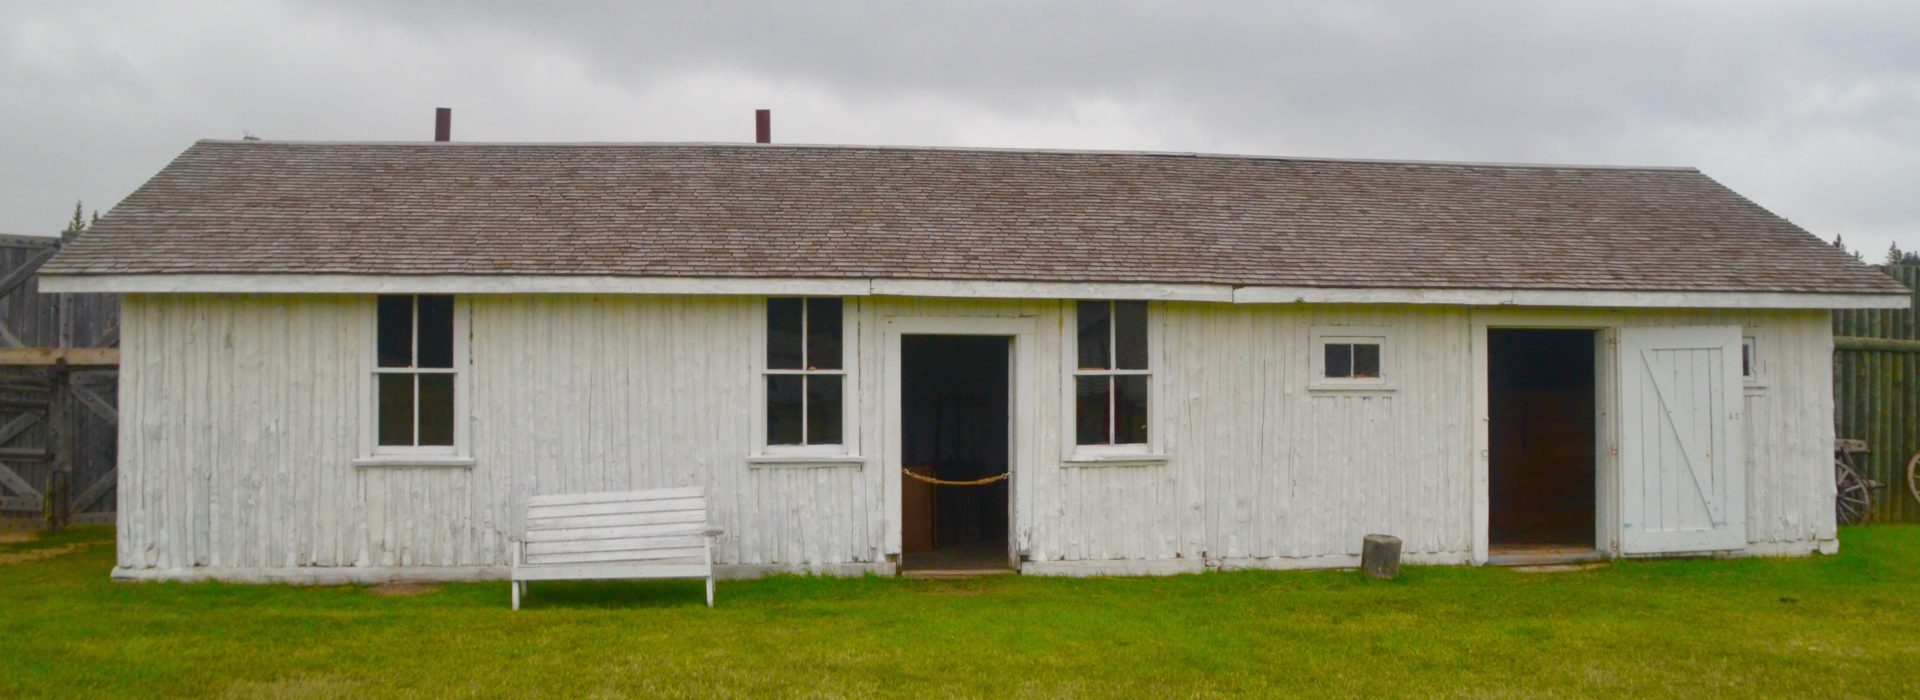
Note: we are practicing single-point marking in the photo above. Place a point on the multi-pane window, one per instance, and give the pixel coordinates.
(415, 372)
(805, 372)
(1351, 360)
(1112, 376)
(1350, 357)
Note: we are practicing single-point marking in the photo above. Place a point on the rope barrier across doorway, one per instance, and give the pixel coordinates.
(943, 482)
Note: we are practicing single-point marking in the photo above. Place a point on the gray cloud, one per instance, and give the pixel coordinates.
(1811, 109)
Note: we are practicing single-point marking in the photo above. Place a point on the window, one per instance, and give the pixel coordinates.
(1348, 357)
(1352, 360)
(1749, 359)
(805, 372)
(416, 370)
(1111, 375)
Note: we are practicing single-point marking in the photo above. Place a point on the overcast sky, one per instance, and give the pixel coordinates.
(1812, 110)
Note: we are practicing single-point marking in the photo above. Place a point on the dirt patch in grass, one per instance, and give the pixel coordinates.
(403, 590)
(11, 537)
(299, 685)
(8, 558)
(1556, 568)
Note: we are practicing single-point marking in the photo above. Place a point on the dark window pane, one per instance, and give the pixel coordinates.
(1366, 360)
(395, 330)
(436, 409)
(436, 331)
(1746, 360)
(823, 333)
(823, 409)
(1090, 410)
(396, 409)
(1130, 409)
(783, 335)
(1339, 360)
(1130, 334)
(783, 409)
(1094, 334)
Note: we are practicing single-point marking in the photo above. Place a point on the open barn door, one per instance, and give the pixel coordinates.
(1683, 486)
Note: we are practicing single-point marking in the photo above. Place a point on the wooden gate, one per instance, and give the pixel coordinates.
(59, 379)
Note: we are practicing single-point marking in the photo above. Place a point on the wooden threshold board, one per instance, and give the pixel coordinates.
(954, 573)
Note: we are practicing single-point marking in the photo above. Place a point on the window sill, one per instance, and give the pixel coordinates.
(1081, 461)
(414, 461)
(805, 461)
(1355, 388)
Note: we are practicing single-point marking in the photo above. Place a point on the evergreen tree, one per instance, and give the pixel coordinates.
(1894, 256)
(79, 222)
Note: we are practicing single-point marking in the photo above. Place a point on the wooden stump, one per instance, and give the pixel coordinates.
(1380, 556)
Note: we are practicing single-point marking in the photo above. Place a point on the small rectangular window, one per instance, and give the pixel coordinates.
(1354, 360)
(1749, 359)
(1111, 383)
(415, 373)
(805, 372)
(1349, 357)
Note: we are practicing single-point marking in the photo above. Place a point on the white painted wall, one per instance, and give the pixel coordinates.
(242, 417)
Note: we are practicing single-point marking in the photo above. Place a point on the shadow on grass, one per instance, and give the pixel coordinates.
(603, 595)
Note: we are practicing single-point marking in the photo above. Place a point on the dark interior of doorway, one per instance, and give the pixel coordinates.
(1541, 415)
(954, 421)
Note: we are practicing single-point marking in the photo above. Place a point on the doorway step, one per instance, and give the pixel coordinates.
(1540, 554)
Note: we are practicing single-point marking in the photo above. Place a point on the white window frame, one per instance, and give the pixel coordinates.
(850, 338)
(1322, 336)
(1150, 453)
(1753, 373)
(459, 454)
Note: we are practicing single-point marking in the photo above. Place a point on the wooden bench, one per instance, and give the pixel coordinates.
(661, 533)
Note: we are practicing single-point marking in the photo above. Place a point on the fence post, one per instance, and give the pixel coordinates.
(60, 441)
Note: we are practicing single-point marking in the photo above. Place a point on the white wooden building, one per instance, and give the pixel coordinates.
(350, 361)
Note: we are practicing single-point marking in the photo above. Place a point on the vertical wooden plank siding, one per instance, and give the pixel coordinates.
(1877, 398)
(242, 419)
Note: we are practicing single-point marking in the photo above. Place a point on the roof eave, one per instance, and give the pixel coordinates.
(758, 286)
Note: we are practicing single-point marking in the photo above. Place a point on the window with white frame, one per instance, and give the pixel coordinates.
(416, 375)
(1350, 357)
(805, 373)
(1749, 359)
(1112, 376)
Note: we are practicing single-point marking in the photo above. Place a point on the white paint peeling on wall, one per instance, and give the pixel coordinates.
(242, 419)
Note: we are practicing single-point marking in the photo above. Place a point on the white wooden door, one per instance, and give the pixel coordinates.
(1683, 486)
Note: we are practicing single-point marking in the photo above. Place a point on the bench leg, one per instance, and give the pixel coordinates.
(516, 595)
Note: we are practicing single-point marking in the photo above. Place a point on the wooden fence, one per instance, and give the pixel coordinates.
(59, 379)
(1876, 393)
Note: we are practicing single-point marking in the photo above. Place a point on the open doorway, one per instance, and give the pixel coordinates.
(1541, 434)
(954, 419)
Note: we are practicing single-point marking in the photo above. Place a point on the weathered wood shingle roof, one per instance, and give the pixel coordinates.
(708, 210)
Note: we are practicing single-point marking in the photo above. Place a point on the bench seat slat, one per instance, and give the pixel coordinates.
(590, 572)
(574, 499)
(674, 541)
(692, 525)
(616, 508)
(644, 557)
(619, 520)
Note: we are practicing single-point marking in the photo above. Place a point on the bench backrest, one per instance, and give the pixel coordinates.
(659, 526)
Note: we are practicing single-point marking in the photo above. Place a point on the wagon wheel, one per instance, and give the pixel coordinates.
(1913, 475)
(1855, 493)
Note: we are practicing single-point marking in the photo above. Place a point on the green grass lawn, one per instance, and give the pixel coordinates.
(1824, 626)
